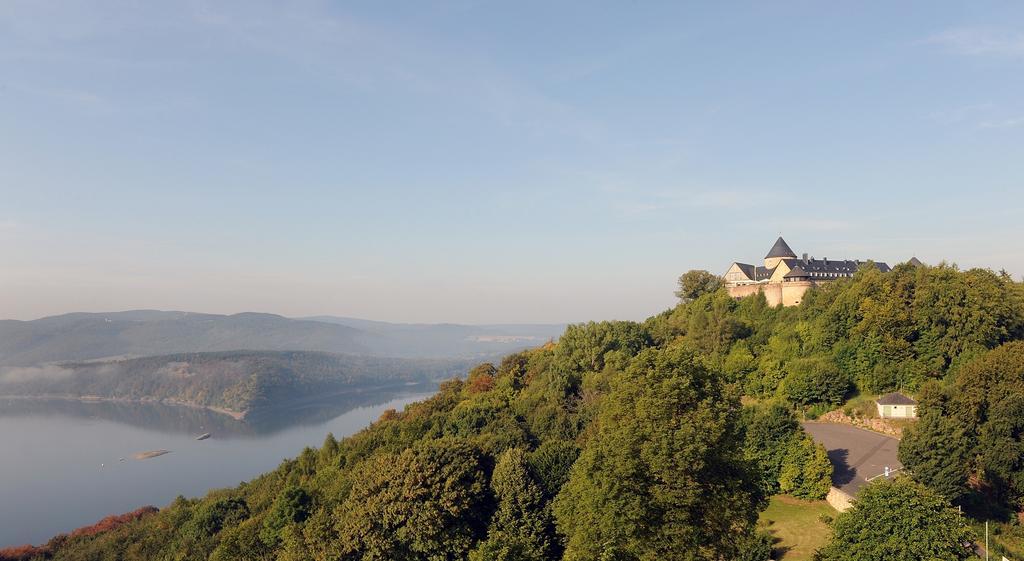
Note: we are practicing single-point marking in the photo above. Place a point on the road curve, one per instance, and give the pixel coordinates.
(856, 454)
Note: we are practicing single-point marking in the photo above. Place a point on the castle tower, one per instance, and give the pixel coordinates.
(778, 252)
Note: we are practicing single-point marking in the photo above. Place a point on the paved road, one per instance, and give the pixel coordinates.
(856, 454)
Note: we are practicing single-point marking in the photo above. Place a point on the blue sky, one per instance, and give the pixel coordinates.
(482, 162)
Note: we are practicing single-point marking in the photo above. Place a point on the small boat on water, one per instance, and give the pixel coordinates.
(203, 436)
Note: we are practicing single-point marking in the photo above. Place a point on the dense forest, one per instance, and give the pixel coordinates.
(237, 381)
(642, 441)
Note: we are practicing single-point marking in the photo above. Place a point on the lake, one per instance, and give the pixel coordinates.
(60, 465)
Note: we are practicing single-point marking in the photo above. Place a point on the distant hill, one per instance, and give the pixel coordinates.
(85, 336)
(88, 336)
(445, 339)
(237, 381)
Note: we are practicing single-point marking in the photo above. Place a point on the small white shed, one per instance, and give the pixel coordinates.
(896, 406)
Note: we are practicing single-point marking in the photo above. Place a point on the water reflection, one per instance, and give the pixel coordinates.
(195, 421)
(61, 464)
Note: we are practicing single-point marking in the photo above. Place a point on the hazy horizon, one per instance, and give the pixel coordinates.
(311, 317)
(472, 163)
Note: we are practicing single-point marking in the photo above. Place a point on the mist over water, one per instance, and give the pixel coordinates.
(61, 466)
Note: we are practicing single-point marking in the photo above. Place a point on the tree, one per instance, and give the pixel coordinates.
(664, 477)
(806, 470)
(769, 431)
(898, 520)
(522, 527)
(292, 506)
(550, 464)
(937, 451)
(329, 451)
(211, 516)
(481, 378)
(693, 284)
(755, 545)
(428, 502)
(987, 403)
(582, 347)
(815, 380)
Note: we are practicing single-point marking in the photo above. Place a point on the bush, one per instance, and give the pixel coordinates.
(815, 380)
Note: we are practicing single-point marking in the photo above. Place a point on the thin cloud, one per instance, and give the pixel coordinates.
(980, 42)
(956, 115)
(1003, 124)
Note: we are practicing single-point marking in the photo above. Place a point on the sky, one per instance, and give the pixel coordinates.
(480, 162)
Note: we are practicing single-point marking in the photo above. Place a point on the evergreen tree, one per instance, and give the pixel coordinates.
(522, 527)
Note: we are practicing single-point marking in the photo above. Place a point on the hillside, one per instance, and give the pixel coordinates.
(236, 381)
(87, 336)
(628, 441)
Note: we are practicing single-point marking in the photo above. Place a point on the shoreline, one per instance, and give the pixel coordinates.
(240, 416)
(236, 415)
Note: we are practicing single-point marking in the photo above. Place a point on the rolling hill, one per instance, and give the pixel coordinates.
(137, 333)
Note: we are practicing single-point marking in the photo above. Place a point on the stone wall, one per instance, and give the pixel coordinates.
(793, 292)
(838, 499)
(877, 425)
(785, 293)
(744, 290)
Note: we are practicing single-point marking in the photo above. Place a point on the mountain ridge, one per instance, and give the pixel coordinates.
(78, 336)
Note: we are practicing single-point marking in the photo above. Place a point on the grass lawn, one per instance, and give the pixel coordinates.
(1004, 539)
(796, 526)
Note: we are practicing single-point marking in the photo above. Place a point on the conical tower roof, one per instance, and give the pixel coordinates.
(780, 249)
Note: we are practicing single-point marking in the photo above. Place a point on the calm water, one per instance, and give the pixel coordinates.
(51, 479)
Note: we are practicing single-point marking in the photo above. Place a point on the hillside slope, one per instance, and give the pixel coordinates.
(623, 440)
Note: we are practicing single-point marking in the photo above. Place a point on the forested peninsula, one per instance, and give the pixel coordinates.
(660, 439)
(232, 382)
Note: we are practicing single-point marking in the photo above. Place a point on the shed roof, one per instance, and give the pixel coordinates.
(895, 399)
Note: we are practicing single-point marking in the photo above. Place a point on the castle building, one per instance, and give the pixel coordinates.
(785, 278)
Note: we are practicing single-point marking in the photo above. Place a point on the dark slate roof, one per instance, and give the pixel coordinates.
(747, 269)
(915, 262)
(780, 249)
(796, 273)
(895, 399)
(755, 273)
(829, 269)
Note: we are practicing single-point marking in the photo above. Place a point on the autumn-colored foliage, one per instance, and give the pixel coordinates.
(481, 378)
(481, 383)
(25, 552)
(113, 521)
